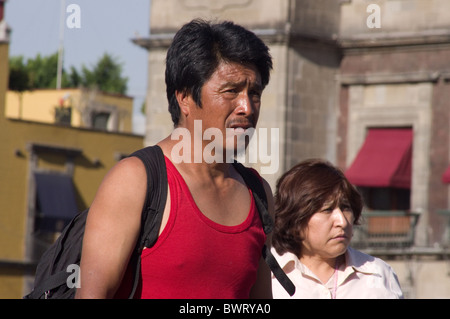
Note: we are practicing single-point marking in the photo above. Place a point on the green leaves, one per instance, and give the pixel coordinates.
(40, 72)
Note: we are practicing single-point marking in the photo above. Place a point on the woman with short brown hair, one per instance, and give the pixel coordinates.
(315, 210)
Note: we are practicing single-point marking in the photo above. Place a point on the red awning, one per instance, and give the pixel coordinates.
(384, 160)
(446, 176)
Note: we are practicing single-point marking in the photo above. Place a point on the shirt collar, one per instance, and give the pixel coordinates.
(356, 261)
(285, 259)
(361, 262)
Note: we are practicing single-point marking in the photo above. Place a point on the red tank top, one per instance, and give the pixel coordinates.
(195, 257)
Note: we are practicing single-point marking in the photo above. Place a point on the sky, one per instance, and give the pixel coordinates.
(106, 26)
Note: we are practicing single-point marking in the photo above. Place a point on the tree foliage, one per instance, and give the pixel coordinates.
(18, 75)
(40, 72)
(105, 75)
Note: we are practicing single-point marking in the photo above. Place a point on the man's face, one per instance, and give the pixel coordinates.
(231, 100)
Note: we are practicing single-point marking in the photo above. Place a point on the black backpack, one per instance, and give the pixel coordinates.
(52, 272)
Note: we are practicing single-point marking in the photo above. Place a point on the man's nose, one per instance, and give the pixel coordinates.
(245, 105)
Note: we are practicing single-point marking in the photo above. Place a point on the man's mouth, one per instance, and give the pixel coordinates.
(241, 126)
(239, 129)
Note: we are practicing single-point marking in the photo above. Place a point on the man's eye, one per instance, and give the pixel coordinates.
(255, 96)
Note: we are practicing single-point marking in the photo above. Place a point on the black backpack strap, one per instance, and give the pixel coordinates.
(155, 201)
(259, 195)
(277, 271)
(56, 280)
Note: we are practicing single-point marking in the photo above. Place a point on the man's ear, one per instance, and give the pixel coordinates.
(184, 101)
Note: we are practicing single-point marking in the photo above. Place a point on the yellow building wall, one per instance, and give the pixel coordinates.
(36, 105)
(99, 154)
(39, 105)
(9, 278)
(14, 173)
(4, 72)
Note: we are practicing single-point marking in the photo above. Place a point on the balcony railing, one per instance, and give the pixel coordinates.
(385, 229)
(446, 233)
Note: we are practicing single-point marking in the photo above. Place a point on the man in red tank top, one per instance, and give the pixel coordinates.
(211, 236)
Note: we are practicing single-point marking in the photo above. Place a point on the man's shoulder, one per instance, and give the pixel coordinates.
(127, 171)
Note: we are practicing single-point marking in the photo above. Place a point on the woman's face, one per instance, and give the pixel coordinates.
(328, 232)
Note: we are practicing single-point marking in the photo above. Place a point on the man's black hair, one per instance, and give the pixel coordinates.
(198, 48)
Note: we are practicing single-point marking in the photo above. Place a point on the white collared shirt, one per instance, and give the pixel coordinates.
(361, 277)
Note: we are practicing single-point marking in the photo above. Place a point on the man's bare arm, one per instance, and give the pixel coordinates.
(112, 229)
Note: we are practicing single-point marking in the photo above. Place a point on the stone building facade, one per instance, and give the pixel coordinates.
(341, 69)
(397, 76)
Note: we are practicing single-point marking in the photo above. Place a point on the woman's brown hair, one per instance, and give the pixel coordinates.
(301, 192)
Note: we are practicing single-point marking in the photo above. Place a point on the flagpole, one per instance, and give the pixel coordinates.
(61, 45)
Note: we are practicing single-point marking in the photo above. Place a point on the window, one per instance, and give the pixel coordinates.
(51, 195)
(386, 198)
(55, 207)
(100, 120)
(382, 169)
(63, 115)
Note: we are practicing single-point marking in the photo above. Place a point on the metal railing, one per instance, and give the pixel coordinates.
(385, 229)
(446, 233)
